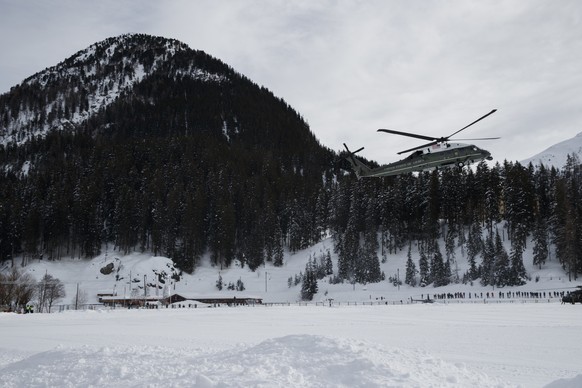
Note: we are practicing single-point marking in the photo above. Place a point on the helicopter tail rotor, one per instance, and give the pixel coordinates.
(359, 168)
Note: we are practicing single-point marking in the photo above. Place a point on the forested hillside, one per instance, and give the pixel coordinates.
(189, 157)
(146, 145)
(475, 210)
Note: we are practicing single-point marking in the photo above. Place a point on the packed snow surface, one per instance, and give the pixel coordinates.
(478, 338)
(410, 345)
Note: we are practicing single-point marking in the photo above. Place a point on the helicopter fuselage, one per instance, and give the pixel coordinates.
(429, 158)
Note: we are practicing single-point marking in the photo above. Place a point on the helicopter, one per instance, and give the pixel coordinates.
(439, 152)
(573, 297)
(427, 300)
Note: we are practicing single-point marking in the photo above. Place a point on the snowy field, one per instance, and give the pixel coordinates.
(481, 342)
(411, 345)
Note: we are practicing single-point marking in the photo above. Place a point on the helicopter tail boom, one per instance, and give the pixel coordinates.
(359, 168)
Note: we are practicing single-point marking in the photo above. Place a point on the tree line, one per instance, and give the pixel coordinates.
(181, 200)
(184, 165)
(474, 210)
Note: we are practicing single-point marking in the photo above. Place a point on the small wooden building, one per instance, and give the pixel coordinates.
(130, 301)
(231, 300)
(211, 300)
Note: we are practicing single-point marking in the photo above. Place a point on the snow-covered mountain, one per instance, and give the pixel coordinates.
(74, 90)
(162, 118)
(557, 154)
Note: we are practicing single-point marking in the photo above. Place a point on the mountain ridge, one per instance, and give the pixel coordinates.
(556, 155)
(82, 74)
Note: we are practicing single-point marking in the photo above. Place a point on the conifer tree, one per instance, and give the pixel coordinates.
(278, 255)
(309, 287)
(321, 215)
(502, 276)
(493, 197)
(424, 269)
(440, 272)
(519, 203)
(349, 249)
(488, 262)
(368, 267)
(540, 240)
(517, 273)
(328, 264)
(450, 241)
(410, 278)
(474, 247)
(564, 228)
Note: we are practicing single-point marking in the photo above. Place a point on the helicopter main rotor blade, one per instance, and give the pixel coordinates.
(418, 147)
(482, 138)
(408, 134)
(474, 122)
(436, 140)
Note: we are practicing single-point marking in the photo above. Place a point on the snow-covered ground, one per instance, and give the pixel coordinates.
(414, 345)
(471, 342)
(271, 283)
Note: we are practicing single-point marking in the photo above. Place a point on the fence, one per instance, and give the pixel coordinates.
(328, 303)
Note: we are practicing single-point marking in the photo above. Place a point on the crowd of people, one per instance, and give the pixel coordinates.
(496, 295)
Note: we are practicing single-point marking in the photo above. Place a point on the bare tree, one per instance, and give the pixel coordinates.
(6, 291)
(16, 289)
(49, 290)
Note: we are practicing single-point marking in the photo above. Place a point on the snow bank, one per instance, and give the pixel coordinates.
(575, 382)
(290, 361)
(463, 345)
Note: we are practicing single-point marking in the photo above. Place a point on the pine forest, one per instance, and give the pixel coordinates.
(194, 159)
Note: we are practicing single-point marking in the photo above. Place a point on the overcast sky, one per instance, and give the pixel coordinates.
(351, 67)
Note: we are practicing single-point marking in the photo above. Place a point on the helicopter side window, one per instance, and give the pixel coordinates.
(414, 154)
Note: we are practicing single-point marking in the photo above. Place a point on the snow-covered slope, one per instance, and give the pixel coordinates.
(423, 345)
(271, 283)
(557, 154)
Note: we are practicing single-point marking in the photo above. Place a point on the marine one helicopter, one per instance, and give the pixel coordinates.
(427, 157)
(574, 296)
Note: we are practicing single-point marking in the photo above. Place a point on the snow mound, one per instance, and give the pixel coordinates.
(290, 361)
(575, 382)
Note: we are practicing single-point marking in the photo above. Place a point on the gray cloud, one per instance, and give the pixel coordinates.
(350, 67)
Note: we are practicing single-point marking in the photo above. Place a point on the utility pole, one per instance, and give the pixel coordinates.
(129, 284)
(77, 298)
